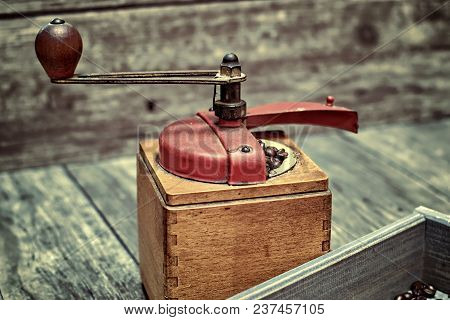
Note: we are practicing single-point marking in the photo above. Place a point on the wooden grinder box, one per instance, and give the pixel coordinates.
(210, 241)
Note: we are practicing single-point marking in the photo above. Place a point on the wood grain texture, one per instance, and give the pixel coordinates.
(300, 44)
(306, 176)
(421, 150)
(413, 248)
(53, 244)
(222, 251)
(376, 266)
(437, 255)
(152, 230)
(368, 193)
(11, 8)
(59, 61)
(215, 250)
(111, 184)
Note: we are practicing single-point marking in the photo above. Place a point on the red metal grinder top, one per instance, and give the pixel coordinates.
(201, 148)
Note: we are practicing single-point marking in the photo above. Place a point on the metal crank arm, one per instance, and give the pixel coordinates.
(206, 77)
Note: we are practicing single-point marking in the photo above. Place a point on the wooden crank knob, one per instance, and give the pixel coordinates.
(58, 47)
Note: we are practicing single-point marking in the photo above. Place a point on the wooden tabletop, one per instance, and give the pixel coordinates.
(69, 231)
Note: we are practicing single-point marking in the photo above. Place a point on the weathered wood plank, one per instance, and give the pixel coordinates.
(111, 184)
(300, 44)
(367, 193)
(53, 244)
(14, 8)
(422, 150)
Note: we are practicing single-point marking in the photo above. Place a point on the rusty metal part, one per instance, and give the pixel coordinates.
(149, 74)
(230, 106)
(207, 77)
(230, 111)
(230, 66)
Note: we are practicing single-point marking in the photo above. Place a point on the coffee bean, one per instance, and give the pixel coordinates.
(407, 296)
(419, 291)
(269, 162)
(270, 151)
(274, 156)
(417, 288)
(404, 296)
(429, 291)
(282, 155)
(417, 285)
(276, 163)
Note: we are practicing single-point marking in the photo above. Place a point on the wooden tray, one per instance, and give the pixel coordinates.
(379, 265)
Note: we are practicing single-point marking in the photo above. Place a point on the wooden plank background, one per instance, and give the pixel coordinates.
(14, 8)
(289, 50)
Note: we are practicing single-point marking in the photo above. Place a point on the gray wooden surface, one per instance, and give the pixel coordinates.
(383, 173)
(289, 50)
(437, 255)
(69, 231)
(55, 245)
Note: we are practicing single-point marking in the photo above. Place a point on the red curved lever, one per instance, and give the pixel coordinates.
(302, 113)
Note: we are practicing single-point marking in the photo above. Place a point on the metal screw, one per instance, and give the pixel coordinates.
(246, 149)
(57, 21)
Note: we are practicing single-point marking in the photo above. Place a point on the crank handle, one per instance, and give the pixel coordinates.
(59, 47)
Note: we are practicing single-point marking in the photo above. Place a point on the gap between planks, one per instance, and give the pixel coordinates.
(91, 201)
(379, 156)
